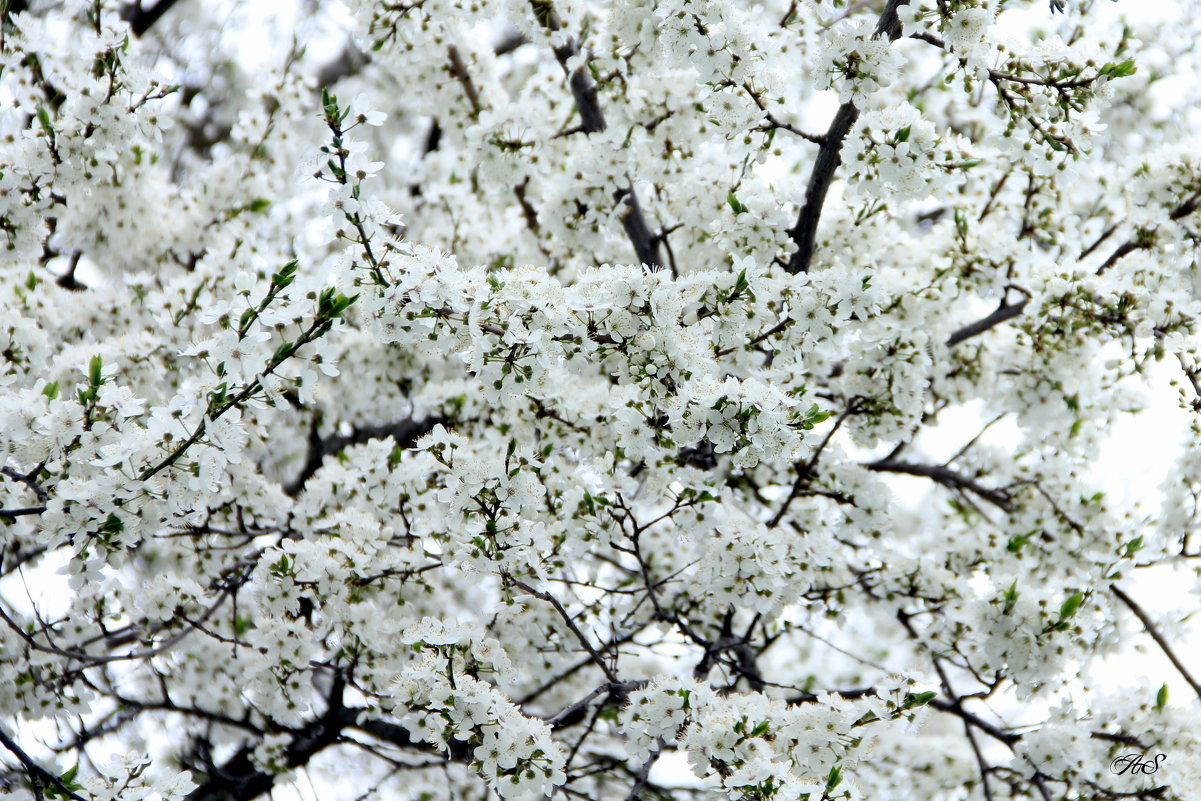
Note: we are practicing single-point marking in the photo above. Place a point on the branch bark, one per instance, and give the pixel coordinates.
(1006, 311)
(1156, 635)
(404, 432)
(592, 120)
(829, 156)
(37, 774)
(945, 476)
(143, 19)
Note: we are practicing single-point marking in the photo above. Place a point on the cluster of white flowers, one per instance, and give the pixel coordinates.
(897, 153)
(856, 63)
(132, 776)
(746, 564)
(757, 747)
(291, 440)
(514, 753)
(964, 26)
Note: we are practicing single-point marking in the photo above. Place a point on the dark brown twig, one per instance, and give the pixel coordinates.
(1156, 635)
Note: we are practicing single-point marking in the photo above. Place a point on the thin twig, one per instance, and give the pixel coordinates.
(553, 601)
(1153, 630)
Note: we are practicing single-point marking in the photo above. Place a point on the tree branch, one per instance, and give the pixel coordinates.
(946, 477)
(592, 120)
(404, 432)
(143, 19)
(1160, 640)
(579, 635)
(1006, 311)
(829, 156)
(37, 774)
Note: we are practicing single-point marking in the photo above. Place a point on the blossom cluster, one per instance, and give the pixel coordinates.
(584, 389)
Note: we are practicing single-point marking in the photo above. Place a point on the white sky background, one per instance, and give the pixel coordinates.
(1132, 463)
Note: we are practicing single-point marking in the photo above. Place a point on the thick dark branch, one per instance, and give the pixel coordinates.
(646, 244)
(1006, 311)
(946, 477)
(37, 774)
(592, 120)
(238, 779)
(1156, 635)
(22, 512)
(29, 480)
(347, 63)
(1186, 208)
(583, 89)
(143, 19)
(1122, 251)
(404, 432)
(399, 736)
(829, 156)
(459, 70)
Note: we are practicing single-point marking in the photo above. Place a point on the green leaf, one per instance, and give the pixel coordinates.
(257, 205)
(1118, 70)
(1161, 697)
(834, 778)
(1011, 596)
(67, 780)
(741, 284)
(95, 376)
(735, 204)
(812, 417)
(1018, 541)
(51, 390)
(285, 276)
(1069, 607)
(282, 352)
(44, 120)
